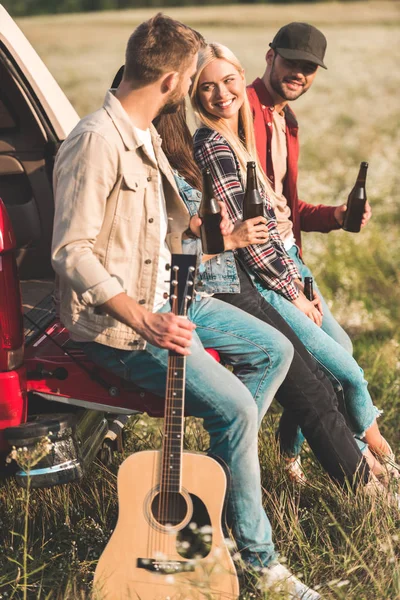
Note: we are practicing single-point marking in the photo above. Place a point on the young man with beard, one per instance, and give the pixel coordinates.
(118, 217)
(295, 55)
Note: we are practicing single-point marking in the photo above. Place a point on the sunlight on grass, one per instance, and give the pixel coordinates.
(348, 547)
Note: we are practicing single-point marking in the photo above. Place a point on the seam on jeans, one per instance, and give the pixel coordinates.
(326, 370)
(327, 431)
(250, 342)
(349, 419)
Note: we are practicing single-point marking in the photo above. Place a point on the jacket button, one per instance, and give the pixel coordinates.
(149, 178)
(147, 261)
(142, 301)
(269, 124)
(151, 220)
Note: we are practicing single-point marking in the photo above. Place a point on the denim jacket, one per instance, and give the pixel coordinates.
(219, 274)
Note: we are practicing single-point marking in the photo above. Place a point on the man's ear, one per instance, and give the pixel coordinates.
(269, 57)
(169, 81)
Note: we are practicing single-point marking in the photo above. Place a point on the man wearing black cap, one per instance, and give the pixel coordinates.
(295, 55)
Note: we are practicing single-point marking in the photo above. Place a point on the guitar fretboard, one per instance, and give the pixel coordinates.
(170, 480)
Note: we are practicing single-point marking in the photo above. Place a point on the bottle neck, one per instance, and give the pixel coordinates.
(251, 183)
(207, 186)
(362, 175)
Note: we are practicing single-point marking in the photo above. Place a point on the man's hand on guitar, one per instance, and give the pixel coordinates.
(164, 330)
(167, 330)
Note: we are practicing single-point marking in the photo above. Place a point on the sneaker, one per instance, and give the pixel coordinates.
(389, 462)
(278, 578)
(377, 490)
(295, 471)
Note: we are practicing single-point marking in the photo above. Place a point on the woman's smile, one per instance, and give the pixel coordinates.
(221, 90)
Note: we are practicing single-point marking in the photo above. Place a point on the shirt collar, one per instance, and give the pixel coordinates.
(265, 99)
(124, 125)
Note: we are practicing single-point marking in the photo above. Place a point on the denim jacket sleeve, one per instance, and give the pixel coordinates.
(219, 274)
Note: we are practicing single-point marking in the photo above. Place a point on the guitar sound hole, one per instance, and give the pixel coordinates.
(169, 509)
(195, 539)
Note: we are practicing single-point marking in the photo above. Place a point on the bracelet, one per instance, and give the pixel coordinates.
(189, 234)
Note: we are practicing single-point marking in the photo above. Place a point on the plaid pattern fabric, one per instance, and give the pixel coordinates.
(269, 261)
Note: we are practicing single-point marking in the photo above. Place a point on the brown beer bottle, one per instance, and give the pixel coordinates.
(308, 288)
(356, 202)
(253, 204)
(212, 239)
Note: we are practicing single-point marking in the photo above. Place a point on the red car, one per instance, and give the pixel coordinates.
(47, 386)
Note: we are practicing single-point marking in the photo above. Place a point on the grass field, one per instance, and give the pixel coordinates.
(345, 545)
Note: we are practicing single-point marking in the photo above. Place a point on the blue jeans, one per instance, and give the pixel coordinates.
(329, 323)
(338, 364)
(232, 405)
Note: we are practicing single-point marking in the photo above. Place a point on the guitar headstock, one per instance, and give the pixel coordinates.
(183, 269)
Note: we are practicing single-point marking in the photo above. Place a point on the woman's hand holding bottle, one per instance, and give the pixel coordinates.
(309, 308)
(245, 233)
(226, 224)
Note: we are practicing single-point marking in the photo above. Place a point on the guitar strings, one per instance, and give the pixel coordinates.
(168, 504)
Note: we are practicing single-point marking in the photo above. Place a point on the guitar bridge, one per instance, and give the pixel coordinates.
(165, 567)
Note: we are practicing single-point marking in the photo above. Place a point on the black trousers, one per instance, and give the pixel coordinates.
(307, 395)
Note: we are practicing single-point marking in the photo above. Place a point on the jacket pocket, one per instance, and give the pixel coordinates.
(131, 195)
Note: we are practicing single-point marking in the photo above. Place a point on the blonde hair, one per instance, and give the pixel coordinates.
(243, 146)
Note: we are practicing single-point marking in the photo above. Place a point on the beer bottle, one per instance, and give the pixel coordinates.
(356, 202)
(212, 239)
(308, 288)
(253, 204)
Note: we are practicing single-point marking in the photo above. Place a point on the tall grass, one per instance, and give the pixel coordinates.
(346, 545)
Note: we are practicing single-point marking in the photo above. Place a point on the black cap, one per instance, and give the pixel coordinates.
(300, 41)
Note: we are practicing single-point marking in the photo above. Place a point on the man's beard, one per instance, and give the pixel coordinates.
(173, 104)
(277, 86)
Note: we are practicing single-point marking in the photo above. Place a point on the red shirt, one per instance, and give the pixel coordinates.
(305, 217)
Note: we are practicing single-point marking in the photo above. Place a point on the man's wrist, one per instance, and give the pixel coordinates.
(188, 234)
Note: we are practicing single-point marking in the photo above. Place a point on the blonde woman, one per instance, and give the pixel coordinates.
(225, 143)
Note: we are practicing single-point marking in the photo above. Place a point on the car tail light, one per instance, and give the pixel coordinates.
(11, 319)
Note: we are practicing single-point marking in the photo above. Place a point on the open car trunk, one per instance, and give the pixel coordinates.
(35, 117)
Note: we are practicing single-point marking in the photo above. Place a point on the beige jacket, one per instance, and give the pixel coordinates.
(106, 236)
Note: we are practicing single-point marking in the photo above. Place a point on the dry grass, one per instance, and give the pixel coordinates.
(352, 113)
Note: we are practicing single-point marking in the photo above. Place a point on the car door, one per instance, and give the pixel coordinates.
(35, 117)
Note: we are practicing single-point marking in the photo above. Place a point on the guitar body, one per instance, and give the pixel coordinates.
(141, 544)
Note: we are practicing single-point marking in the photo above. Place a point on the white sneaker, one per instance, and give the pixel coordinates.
(295, 471)
(376, 490)
(278, 578)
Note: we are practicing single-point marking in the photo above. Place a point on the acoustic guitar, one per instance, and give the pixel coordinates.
(168, 543)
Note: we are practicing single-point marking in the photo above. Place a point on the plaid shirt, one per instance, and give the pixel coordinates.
(269, 261)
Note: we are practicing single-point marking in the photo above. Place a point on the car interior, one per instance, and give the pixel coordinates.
(27, 150)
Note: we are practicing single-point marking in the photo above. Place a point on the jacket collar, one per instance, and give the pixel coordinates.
(265, 98)
(123, 124)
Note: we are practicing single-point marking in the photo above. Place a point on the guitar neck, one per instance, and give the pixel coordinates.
(171, 466)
